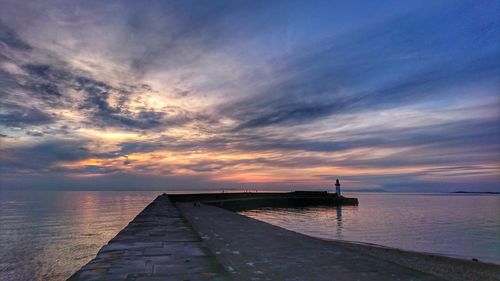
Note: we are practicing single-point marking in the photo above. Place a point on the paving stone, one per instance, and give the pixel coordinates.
(130, 246)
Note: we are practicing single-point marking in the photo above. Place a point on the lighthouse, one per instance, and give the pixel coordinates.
(337, 187)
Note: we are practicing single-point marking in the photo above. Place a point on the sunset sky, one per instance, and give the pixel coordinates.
(279, 95)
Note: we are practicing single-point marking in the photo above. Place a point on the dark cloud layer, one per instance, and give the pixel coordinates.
(20, 116)
(41, 157)
(10, 39)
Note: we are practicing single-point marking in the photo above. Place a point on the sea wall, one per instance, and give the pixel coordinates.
(252, 200)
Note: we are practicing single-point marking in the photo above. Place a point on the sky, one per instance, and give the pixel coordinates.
(277, 95)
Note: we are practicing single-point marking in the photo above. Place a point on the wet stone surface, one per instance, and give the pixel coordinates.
(158, 244)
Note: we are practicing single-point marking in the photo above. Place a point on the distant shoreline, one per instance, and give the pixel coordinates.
(476, 192)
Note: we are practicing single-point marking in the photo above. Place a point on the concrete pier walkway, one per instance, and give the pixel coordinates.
(202, 242)
(254, 250)
(157, 245)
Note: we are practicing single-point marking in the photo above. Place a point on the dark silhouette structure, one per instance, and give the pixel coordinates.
(337, 187)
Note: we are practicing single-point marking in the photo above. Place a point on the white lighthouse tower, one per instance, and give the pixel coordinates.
(337, 187)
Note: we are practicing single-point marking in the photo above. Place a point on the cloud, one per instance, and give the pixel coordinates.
(42, 156)
(381, 66)
(13, 115)
(47, 86)
(10, 39)
(95, 169)
(442, 144)
(97, 104)
(190, 31)
(54, 84)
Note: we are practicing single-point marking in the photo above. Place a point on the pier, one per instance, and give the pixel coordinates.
(159, 244)
(190, 237)
(239, 201)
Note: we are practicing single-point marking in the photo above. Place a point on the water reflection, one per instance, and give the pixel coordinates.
(49, 235)
(339, 222)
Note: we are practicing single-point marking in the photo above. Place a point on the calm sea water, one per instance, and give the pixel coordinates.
(456, 225)
(49, 235)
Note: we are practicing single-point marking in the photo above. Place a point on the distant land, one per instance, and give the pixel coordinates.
(477, 192)
(386, 191)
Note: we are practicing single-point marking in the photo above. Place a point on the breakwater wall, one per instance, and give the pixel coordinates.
(252, 200)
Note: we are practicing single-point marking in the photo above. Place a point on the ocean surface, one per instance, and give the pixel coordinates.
(49, 235)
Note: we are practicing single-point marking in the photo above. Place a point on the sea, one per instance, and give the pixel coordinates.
(48, 235)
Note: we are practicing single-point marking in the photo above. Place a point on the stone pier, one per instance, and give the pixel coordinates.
(254, 250)
(159, 244)
(193, 241)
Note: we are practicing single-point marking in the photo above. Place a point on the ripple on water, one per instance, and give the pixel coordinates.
(50, 235)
